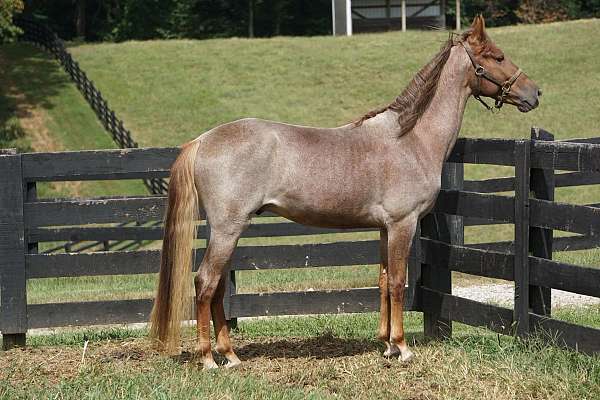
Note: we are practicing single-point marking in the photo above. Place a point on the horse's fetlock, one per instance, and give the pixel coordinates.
(223, 348)
(203, 348)
(383, 336)
(397, 339)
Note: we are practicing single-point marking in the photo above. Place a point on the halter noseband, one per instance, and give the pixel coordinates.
(481, 72)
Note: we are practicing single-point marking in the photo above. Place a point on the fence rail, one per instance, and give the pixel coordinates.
(26, 221)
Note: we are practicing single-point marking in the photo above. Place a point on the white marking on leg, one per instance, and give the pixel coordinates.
(391, 350)
(233, 361)
(210, 364)
(405, 354)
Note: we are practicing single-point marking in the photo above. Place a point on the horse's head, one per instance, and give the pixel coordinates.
(495, 75)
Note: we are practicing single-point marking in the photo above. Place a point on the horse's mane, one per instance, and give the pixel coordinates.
(415, 98)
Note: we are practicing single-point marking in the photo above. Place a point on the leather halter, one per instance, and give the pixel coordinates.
(481, 72)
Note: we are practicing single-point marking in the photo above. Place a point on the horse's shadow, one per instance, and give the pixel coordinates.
(319, 348)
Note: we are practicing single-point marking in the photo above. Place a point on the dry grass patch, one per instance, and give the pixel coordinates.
(476, 365)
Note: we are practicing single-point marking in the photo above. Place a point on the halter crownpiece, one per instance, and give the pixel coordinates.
(481, 72)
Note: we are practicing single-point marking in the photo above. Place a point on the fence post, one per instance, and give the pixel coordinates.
(414, 272)
(521, 256)
(542, 185)
(230, 290)
(449, 229)
(13, 296)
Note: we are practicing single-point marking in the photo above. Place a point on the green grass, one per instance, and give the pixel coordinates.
(54, 115)
(302, 357)
(170, 91)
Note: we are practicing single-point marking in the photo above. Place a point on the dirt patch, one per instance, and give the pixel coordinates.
(31, 118)
(320, 362)
(52, 364)
(503, 294)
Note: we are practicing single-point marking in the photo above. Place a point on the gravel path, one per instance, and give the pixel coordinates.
(502, 294)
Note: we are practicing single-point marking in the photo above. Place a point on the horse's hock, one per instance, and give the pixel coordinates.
(26, 221)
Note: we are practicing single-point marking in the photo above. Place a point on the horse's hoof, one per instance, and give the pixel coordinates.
(210, 365)
(233, 364)
(391, 351)
(406, 356)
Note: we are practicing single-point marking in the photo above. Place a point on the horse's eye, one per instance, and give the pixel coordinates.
(499, 59)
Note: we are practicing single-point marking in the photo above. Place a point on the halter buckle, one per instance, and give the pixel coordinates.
(479, 70)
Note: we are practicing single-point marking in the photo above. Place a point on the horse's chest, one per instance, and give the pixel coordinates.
(413, 191)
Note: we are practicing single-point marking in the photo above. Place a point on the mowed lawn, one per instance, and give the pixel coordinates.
(324, 357)
(168, 92)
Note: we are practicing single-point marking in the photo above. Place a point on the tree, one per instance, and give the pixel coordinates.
(80, 18)
(8, 8)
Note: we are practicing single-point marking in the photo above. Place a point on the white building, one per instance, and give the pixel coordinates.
(381, 15)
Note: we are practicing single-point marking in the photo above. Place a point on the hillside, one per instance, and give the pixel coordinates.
(168, 92)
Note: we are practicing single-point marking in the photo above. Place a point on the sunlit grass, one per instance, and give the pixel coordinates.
(317, 357)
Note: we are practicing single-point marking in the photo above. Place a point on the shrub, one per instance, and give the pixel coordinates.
(8, 8)
(12, 135)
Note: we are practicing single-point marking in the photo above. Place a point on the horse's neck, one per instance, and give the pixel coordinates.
(438, 127)
(436, 131)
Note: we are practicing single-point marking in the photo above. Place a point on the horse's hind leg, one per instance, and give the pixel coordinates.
(220, 324)
(384, 309)
(212, 268)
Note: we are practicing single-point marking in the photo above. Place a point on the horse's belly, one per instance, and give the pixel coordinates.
(340, 216)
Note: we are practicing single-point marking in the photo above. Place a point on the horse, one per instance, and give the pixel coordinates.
(381, 171)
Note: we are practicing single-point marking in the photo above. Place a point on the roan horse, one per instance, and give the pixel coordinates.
(383, 171)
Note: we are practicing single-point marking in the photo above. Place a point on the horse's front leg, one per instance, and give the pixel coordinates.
(384, 309)
(400, 236)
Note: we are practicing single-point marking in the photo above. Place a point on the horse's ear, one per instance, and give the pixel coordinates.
(478, 35)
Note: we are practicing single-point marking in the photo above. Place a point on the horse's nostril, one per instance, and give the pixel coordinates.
(539, 92)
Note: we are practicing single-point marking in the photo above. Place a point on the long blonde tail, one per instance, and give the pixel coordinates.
(174, 293)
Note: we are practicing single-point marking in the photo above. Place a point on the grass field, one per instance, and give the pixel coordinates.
(168, 92)
(326, 357)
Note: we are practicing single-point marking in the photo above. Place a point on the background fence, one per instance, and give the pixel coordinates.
(43, 36)
(26, 221)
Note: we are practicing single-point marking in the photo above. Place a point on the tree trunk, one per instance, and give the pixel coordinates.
(80, 18)
(251, 18)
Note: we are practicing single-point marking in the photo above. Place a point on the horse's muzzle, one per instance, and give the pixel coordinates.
(530, 102)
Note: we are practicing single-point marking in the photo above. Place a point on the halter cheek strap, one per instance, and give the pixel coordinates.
(481, 72)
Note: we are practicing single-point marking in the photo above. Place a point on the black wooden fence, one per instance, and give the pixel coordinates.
(26, 221)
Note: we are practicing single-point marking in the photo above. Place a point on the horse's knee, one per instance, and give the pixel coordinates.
(396, 288)
(216, 301)
(205, 288)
